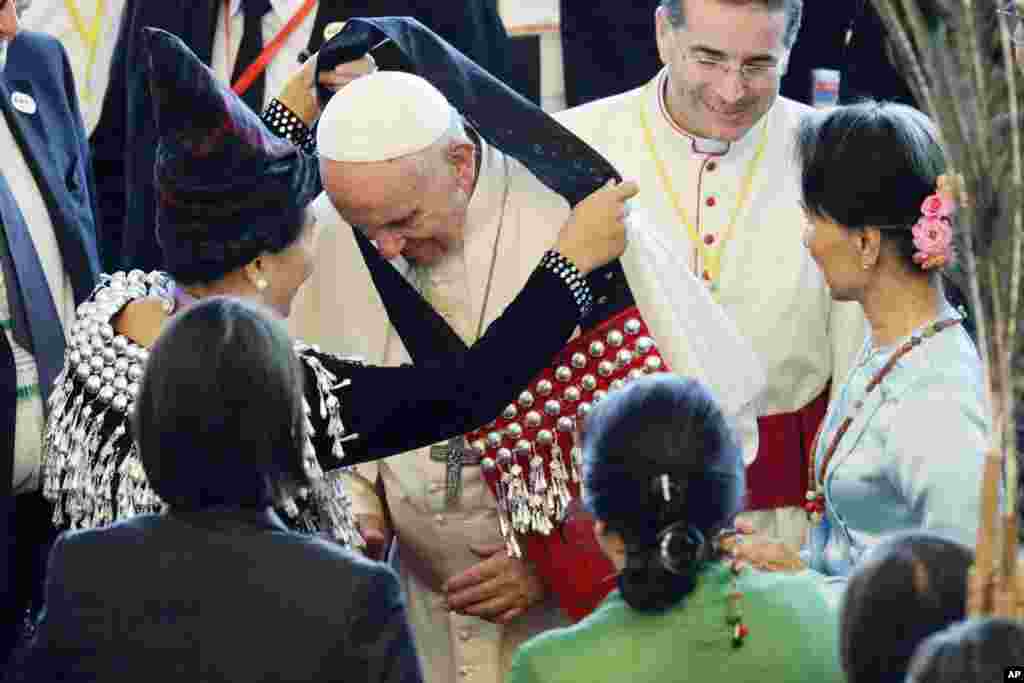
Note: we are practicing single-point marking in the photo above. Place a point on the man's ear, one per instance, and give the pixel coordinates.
(461, 155)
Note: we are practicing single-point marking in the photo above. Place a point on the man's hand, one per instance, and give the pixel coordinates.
(498, 589)
(376, 533)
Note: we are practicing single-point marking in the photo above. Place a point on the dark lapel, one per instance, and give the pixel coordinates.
(72, 224)
(28, 132)
(326, 12)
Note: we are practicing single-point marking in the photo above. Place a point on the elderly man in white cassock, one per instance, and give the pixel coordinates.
(451, 212)
(710, 141)
(463, 222)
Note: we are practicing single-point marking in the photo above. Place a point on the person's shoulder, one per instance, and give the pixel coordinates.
(527, 191)
(75, 546)
(946, 366)
(595, 114)
(550, 654)
(36, 40)
(322, 562)
(31, 49)
(595, 627)
(799, 595)
(331, 555)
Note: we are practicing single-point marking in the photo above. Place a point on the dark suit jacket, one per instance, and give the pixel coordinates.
(54, 143)
(219, 595)
(608, 47)
(866, 68)
(124, 141)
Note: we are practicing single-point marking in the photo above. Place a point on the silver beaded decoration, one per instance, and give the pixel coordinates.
(87, 444)
(532, 476)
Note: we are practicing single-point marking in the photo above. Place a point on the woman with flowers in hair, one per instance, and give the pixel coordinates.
(902, 444)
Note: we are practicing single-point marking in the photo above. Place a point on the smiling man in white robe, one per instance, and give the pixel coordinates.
(709, 140)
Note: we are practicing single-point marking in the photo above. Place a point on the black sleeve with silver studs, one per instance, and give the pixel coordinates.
(283, 123)
(567, 271)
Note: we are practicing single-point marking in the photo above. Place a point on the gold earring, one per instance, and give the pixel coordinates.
(262, 284)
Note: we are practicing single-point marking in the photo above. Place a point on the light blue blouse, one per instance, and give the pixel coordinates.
(912, 458)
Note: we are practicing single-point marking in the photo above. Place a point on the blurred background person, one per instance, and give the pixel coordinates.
(908, 587)
(48, 265)
(975, 650)
(88, 31)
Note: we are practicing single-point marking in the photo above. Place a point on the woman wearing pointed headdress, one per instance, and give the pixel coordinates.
(233, 219)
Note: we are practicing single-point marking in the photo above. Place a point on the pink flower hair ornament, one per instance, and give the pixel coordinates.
(933, 232)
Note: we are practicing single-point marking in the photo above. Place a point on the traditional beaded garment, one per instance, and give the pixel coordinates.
(91, 467)
(529, 455)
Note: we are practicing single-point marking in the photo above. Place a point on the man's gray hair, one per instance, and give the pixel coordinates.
(794, 13)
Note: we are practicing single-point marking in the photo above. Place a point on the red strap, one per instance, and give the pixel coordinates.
(272, 48)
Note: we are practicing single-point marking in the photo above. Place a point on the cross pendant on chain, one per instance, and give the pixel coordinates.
(452, 453)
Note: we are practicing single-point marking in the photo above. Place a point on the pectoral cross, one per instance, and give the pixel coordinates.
(452, 454)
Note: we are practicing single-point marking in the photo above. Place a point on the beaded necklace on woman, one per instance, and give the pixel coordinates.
(815, 505)
(932, 236)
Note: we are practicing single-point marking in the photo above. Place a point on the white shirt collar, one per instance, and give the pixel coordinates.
(284, 9)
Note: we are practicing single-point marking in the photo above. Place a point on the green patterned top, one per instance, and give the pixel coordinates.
(793, 637)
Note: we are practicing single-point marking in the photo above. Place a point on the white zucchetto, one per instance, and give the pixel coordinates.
(381, 116)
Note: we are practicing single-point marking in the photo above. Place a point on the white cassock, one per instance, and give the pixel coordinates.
(340, 310)
(88, 31)
(767, 282)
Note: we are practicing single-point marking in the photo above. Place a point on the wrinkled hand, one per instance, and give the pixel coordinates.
(299, 95)
(761, 552)
(498, 589)
(377, 534)
(595, 233)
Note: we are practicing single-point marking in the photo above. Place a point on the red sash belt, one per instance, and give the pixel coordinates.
(778, 477)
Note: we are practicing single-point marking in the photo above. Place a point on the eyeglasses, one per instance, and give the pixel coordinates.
(750, 74)
(1011, 11)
